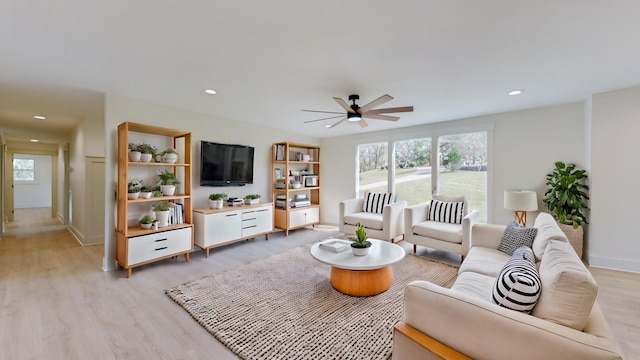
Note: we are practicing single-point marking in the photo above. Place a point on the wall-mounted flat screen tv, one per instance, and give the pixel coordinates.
(225, 164)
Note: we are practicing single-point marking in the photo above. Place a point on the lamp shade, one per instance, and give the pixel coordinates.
(520, 200)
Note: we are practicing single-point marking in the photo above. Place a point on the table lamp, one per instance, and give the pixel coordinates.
(521, 201)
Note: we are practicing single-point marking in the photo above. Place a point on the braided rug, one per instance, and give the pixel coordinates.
(283, 307)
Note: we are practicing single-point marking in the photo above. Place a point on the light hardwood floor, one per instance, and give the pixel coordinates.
(56, 302)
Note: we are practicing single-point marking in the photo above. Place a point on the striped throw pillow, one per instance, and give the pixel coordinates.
(375, 202)
(449, 212)
(518, 285)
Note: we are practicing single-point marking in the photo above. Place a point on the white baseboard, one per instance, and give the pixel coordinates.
(615, 264)
(77, 234)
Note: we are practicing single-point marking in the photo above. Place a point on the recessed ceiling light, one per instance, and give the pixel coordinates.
(34, 140)
(515, 92)
(327, 126)
(210, 91)
(39, 117)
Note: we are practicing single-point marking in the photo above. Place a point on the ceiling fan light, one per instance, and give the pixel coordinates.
(354, 117)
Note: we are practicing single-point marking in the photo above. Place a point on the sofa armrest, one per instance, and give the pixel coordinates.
(351, 206)
(467, 224)
(393, 219)
(413, 215)
(486, 235)
(482, 330)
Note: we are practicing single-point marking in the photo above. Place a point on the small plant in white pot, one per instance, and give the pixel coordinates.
(146, 221)
(252, 199)
(134, 153)
(162, 213)
(146, 192)
(170, 156)
(360, 244)
(167, 181)
(216, 201)
(133, 189)
(147, 152)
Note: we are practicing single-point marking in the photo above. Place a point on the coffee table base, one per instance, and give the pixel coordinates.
(362, 282)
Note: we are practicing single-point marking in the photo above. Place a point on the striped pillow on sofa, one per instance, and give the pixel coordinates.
(375, 202)
(518, 285)
(444, 211)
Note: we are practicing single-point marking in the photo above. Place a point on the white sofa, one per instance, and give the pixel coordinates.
(462, 322)
(386, 226)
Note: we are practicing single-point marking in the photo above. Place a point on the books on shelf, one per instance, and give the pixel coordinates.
(176, 213)
(335, 245)
(279, 152)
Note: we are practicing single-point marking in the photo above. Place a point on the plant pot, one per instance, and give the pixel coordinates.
(216, 204)
(146, 226)
(134, 156)
(168, 190)
(133, 195)
(163, 218)
(575, 237)
(146, 157)
(360, 249)
(146, 194)
(251, 201)
(170, 158)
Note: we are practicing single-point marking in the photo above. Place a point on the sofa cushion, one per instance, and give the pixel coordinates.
(568, 289)
(515, 236)
(444, 211)
(474, 284)
(517, 287)
(368, 220)
(484, 261)
(375, 202)
(439, 230)
(548, 230)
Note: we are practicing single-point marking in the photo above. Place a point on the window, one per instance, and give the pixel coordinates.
(24, 170)
(413, 170)
(374, 170)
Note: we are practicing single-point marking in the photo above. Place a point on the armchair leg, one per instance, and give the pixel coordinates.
(414, 248)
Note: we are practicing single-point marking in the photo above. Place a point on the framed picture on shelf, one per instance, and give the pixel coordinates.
(279, 173)
(279, 152)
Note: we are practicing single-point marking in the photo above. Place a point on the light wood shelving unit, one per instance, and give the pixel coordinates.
(136, 246)
(284, 158)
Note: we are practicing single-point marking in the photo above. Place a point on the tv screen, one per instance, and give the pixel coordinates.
(225, 164)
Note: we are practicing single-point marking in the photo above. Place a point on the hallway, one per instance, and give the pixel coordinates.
(30, 220)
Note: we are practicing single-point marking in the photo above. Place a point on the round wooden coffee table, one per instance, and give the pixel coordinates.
(361, 275)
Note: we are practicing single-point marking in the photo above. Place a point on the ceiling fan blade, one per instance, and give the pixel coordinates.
(328, 118)
(344, 104)
(379, 101)
(391, 110)
(338, 123)
(325, 112)
(369, 115)
(363, 124)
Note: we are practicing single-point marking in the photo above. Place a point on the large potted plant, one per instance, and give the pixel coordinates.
(360, 243)
(566, 198)
(167, 181)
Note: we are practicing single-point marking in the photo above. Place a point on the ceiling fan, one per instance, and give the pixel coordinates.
(357, 114)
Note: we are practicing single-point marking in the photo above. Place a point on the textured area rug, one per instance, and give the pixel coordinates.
(283, 307)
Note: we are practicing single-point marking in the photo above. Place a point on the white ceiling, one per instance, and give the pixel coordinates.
(450, 59)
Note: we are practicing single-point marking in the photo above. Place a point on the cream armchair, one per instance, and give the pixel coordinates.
(386, 226)
(453, 238)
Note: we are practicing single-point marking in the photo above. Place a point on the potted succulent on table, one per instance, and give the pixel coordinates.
(162, 213)
(146, 221)
(147, 152)
(566, 198)
(360, 244)
(167, 181)
(216, 201)
(252, 199)
(133, 189)
(170, 156)
(146, 192)
(134, 153)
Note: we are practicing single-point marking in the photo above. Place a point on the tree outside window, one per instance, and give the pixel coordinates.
(24, 170)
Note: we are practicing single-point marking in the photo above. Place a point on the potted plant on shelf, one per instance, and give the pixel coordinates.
(167, 181)
(146, 192)
(146, 221)
(162, 213)
(216, 201)
(147, 152)
(134, 153)
(566, 198)
(360, 244)
(170, 156)
(133, 189)
(252, 199)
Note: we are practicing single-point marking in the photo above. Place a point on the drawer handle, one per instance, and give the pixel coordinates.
(248, 227)
(162, 248)
(263, 210)
(165, 239)
(248, 219)
(231, 215)
(249, 212)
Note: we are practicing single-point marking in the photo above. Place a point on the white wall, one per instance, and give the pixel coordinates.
(77, 184)
(38, 193)
(523, 147)
(119, 109)
(614, 180)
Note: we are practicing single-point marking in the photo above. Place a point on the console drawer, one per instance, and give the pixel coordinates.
(148, 247)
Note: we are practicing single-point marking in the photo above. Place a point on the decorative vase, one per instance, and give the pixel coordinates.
(216, 204)
(163, 218)
(360, 249)
(134, 156)
(575, 237)
(170, 158)
(133, 195)
(146, 157)
(168, 190)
